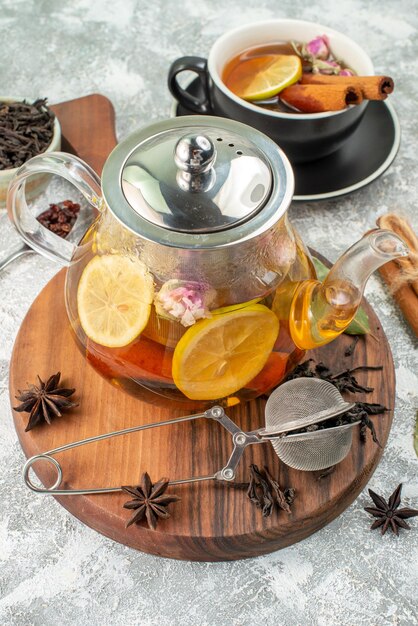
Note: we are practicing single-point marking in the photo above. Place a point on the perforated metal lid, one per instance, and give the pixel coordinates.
(205, 180)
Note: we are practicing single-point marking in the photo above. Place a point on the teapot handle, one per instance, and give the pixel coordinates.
(33, 232)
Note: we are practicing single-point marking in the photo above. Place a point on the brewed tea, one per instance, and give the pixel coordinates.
(273, 76)
(237, 70)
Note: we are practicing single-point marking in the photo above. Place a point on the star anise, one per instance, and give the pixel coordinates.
(149, 501)
(44, 401)
(388, 514)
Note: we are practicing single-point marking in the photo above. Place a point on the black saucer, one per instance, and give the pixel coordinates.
(362, 159)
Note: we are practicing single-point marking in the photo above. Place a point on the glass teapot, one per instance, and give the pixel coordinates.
(191, 285)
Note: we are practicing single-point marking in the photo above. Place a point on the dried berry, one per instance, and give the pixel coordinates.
(60, 217)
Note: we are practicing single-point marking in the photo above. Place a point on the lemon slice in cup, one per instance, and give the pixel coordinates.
(114, 299)
(263, 77)
(220, 355)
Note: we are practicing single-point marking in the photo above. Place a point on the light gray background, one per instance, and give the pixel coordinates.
(55, 571)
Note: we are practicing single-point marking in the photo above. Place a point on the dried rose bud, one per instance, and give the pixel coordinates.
(327, 67)
(184, 301)
(319, 47)
(346, 73)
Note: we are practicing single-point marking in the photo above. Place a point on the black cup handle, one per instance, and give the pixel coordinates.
(191, 64)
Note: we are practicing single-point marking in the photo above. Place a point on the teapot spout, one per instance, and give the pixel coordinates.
(322, 311)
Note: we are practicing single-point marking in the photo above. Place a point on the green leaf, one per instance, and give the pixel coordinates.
(416, 436)
(321, 269)
(360, 325)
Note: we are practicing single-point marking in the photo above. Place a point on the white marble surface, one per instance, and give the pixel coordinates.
(55, 571)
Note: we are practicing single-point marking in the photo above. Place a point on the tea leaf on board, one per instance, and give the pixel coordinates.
(416, 436)
(360, 324)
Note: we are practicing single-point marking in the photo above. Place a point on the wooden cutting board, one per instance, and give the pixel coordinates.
(213, 522)
(88, 128)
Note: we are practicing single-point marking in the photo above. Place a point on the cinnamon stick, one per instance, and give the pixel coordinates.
(320, 98)
(405, 296)
(401, 275)
(408, 264)
(372, 87)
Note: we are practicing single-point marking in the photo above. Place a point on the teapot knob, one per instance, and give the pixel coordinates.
(194, 154)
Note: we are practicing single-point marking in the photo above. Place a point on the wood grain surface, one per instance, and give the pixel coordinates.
(213, 522)
(88, 128)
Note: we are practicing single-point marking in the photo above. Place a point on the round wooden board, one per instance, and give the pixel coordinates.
(213, 522)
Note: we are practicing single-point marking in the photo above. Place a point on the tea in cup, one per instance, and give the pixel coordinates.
(304, 136)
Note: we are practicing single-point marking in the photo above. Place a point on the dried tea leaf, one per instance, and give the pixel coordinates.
(360, 324)
(416, 436)
(266, 493)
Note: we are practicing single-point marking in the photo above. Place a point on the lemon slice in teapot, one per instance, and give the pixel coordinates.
(114, 299)
(220, 355)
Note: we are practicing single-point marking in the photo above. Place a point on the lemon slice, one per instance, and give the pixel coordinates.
(114, 299)
(264, 77)
(218, 356)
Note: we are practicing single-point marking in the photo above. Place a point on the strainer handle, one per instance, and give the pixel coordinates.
(240, 440)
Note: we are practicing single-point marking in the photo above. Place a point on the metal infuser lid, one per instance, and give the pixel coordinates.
(197, 182)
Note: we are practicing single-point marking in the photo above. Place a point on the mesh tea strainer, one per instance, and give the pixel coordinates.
(294, 405)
